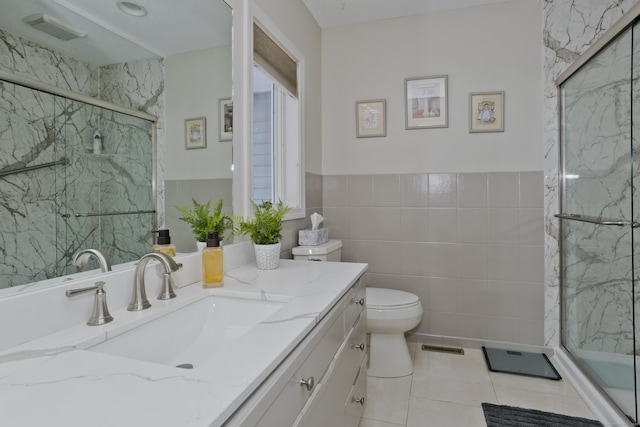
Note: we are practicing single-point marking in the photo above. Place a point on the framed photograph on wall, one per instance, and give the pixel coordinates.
(486, 112)
(226, 119)
(426, 102)
(371, 118)
(195, 133)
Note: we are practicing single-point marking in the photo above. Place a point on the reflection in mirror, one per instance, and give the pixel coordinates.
(87, 183)
(197, 85)
(166, 74)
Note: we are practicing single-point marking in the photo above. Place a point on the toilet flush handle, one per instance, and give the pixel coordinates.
(359, 301)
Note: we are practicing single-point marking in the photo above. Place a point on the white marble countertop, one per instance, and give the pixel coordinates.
(53, 381)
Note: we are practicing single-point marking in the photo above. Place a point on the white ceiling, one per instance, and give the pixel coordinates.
(176, 26)
(171, 26)
(333, 13)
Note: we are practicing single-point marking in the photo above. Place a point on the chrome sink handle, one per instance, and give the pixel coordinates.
(100, 314)
(139, 299)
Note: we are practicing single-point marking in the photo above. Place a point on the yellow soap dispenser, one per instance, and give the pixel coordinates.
(212, 262)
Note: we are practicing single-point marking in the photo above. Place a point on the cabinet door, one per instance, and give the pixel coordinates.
(328, 407)
(285, 408)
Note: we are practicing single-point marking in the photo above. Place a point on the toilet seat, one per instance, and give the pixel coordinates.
(390, 299)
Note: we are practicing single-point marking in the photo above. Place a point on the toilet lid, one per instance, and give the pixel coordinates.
(390, 299)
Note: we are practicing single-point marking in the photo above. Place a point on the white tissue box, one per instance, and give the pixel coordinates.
(309, 237)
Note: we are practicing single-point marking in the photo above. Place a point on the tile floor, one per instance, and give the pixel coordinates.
(448, 390)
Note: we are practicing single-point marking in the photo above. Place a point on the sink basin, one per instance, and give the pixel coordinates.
(191, 335)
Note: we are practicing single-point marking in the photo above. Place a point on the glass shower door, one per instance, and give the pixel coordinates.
(597, 298)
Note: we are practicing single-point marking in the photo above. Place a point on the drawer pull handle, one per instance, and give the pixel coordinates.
(308, 383)
(360, 400)
(359, 346)
(359, 301)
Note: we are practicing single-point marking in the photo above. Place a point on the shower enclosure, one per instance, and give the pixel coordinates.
(599, 214)
(59, 195)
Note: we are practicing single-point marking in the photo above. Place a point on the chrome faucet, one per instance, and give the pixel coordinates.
(81, 258)
(139, 299)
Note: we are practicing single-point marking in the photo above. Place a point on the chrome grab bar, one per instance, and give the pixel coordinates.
(85, 215)
(598, 221)
(62, 161)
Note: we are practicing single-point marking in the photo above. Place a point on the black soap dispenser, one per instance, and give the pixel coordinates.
(164, 243)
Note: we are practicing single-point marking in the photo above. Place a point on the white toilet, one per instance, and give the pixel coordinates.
(390, 313)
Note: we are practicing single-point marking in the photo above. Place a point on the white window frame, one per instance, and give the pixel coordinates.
(285, 166)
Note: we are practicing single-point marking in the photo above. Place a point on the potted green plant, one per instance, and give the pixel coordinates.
(202, 220)
(265, 231)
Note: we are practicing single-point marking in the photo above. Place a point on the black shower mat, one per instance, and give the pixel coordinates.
(520, 363)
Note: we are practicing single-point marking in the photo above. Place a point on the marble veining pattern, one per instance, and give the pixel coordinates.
(69, 385)
(38, 229)
(569, 28)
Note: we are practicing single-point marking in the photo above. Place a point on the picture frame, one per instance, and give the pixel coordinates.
(371, 118)
(486, 112)
(426, 102)
(225, 119)
(195, 133)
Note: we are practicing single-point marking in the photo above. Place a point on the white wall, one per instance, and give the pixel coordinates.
(194, 82)
(489, 48)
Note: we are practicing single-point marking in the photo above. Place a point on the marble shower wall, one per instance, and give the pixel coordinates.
(570, 27)
(33, 231)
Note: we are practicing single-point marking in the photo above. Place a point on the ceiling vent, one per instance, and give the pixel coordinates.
(52, 26)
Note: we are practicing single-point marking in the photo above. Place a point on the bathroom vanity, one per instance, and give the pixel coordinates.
(271, 348)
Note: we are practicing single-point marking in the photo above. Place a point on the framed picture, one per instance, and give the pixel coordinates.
(195, 133)
(426, 102)
(226, 119)
(486, 112)
(371, 118)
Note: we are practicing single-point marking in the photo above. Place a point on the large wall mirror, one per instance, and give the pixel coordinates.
(169, 60)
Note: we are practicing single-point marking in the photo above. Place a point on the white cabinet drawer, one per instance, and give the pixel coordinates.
(354, 406)
(357, 341)
(356, 300)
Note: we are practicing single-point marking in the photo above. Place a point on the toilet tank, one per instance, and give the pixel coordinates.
(329, 251)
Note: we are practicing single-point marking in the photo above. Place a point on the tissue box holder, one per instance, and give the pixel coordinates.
(309, 237)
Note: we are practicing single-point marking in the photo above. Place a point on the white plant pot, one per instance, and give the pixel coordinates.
(200, 245)
(267, 256)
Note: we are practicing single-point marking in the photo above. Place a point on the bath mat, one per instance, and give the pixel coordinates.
(520, 363)
(510, 416)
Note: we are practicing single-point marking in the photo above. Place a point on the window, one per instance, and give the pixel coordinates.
(277, 138)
